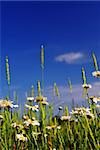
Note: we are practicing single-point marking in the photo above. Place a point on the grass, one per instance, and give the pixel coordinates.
(38, 129)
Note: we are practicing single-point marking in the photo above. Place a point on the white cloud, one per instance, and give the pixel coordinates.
(70, 58)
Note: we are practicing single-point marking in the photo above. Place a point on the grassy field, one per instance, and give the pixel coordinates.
(38, 129)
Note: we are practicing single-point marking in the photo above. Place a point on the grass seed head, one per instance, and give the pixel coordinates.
(83, 76)
(7, 71)
(56, 90)
(39, 88)
(95, 61)
(70, 85)
(42, 56)
(32, 91)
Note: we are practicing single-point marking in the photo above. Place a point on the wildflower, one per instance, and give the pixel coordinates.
(21, 137)
(34, 108)
(30, 98)
(45, 135)
(17, 125)
(6, 103)
(33, 118)
(95, 99)
(77, 112)
(25, 117)
(83, 111)
(58, 127)
(32, 122)
(53, 127)
(82, 108)
(40, 98)
(35, 123)
(64, 118)
(1, 117)
(80, 111)
(49, 127)
(28, 122)
(86, 86)
(73, 112)
(96, 74)
(44, 103)
(90, 115)
(87, 109)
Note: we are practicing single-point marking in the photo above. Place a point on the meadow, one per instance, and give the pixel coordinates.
(38, 129)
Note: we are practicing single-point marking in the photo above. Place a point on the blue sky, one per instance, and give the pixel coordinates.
(70, 31)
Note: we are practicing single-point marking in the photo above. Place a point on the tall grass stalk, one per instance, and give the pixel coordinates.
(39, 88)
(42, 67)
(40, 129)
(8, 75)
(70, 85)
(56, 91)
(95, 61)
(83, 76)
(32, 91)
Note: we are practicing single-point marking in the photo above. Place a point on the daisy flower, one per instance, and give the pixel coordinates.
(1, 117)
(31, 122)
(65, 118)
(87, 86)
(17, 125)
(95, 99)
(44, 103)
(6, 103)
(50, 127)
(30, 98)
(34, 108)
(21, 137)
(96, 74)
(40, 98)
